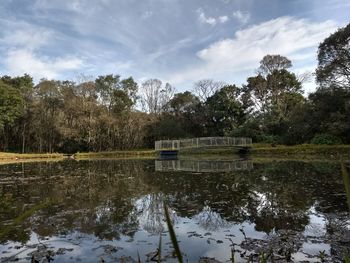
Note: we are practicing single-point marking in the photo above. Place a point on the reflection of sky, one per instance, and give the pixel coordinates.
(206, 234)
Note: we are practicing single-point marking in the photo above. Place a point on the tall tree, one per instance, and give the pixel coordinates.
(11, 108)
(205, 88)
(106, 87)
(24, 84)
(273, 94)
(270, 63)
(334, 60)
(155, 96)
(224, 110)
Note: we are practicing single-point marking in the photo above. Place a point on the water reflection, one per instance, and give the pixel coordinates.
(202, 165)
(114, 209)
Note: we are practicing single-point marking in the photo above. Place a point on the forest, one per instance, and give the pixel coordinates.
(114, 113)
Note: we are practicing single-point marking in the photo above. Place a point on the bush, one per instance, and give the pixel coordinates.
(271, 139)
(325, 138)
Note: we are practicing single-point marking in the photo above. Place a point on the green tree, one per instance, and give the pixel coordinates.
(224, 111)
(330, 111)
(20, 131)
(47, 108)
(334, 60)
(273, 94)
(183, 103)
(11, 108)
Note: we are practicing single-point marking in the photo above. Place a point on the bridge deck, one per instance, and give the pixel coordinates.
(203, 142)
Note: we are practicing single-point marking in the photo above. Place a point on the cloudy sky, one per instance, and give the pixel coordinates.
(179, 41)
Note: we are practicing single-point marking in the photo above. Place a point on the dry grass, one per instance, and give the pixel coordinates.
(6, 158)
(117, 154)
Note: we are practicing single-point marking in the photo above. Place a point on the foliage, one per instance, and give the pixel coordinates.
(325, 138)
(10, 104)
(334, 60)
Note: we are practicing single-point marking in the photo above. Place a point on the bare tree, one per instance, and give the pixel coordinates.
(206, 88)
(155, 97)
(305, 77)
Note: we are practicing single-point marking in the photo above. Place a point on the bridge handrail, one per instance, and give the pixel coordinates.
(202, 142)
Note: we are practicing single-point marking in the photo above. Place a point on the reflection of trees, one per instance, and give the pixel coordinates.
(150, 213)
(93, 197)
(117, 197)
(210, 220)
(274, 195)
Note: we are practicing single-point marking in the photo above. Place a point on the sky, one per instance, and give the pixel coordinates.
(176, 41)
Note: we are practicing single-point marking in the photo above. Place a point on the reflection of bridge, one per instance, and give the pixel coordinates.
(203, 165)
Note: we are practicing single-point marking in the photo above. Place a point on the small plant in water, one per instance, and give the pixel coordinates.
(322, 255)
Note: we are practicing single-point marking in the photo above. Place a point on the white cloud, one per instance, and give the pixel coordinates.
(242, 17)
(21, 61)
(204, 19)
(23, 47)
(27, 38)
(223, 19)
(147, 14)
(287, 36)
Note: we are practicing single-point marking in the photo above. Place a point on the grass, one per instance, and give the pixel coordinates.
(114, 154)
(305, 151)
(6, 158)
(329, 151)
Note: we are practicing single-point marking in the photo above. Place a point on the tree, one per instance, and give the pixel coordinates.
(334, 60)
(272, 95)
(11, 108)
(106, 87)
(205, 88)
(270, 63)
(24, 84)
(224, 111)
(48, 105)
(131, 88)
(183, 103)
(155, 97)
(330, 112)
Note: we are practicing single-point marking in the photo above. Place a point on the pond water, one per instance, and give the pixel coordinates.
(112, 210)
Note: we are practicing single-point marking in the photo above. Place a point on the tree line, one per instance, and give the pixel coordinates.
(111, 113)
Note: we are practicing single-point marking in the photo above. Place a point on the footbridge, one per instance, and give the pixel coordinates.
(173, 146)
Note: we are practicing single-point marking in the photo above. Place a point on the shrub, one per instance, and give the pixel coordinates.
(325, 138)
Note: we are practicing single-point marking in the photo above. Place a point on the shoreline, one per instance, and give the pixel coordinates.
(307, 151)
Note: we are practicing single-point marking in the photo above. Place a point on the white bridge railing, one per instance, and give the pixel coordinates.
(202, 165)
(202, 142)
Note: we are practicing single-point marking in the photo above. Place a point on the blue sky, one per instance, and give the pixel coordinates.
(177, 41)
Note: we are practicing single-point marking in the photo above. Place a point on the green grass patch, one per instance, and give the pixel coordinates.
(117, 154)
(22, 156)
(329, 151)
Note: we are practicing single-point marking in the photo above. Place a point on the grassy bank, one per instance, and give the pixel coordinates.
(305, 150)
(258, 150)
(27, 157)
(117, 154)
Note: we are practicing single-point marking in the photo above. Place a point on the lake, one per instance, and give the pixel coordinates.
(113, 210)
